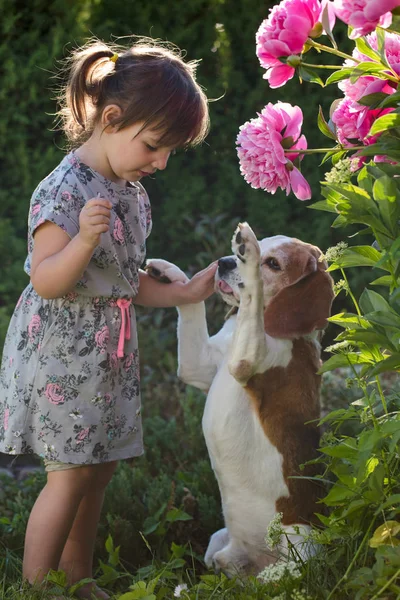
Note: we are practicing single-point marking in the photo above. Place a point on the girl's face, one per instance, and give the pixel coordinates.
(131, 154)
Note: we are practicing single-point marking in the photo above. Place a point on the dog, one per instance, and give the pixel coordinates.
(261, 375)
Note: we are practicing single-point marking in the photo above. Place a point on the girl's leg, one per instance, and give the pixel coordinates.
(77, 555)
(51, 520)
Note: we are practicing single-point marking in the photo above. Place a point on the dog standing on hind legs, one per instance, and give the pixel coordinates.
(260, 372)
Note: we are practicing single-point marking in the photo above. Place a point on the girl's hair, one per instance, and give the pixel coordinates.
(149, 81)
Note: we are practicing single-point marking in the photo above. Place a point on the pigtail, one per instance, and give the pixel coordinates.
(87, 70)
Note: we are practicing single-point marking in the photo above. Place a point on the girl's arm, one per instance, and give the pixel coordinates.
(59, 262)
(156, 294)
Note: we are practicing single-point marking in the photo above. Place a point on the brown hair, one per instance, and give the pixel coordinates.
(149, 81)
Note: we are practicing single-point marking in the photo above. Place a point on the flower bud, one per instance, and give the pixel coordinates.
(293, 60)
(316, 31)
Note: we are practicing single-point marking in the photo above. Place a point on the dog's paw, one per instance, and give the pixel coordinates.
(247, 249)
(164, 271)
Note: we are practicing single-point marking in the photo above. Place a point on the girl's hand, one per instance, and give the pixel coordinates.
(201, 286)
(94, 220)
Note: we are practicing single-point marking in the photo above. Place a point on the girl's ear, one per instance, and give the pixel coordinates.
(111, 113)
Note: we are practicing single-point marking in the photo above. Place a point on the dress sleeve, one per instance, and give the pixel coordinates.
(61, 204)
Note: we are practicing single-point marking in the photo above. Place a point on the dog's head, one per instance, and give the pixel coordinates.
(298, 292)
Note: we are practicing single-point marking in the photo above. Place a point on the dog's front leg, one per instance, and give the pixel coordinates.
(249, 348)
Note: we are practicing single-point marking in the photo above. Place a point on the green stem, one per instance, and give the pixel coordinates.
(331, 67)
(378, 594)
(324, 48)
(383, 399)
(351, 294)
(354, 559)
(322, 150)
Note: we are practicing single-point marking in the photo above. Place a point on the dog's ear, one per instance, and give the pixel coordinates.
(303, 306)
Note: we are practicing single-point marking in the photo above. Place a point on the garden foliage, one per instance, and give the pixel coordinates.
(160, 510)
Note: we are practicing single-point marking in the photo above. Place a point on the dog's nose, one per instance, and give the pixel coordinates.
(225, 265)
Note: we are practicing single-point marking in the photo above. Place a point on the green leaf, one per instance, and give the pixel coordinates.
(385, 192)
(339, 76)
(373, 100)
(367, 68)
(392, 363)
(386, 122)
(385, 280)
(342, 360)
(323, 125)
(349, 321)
(372, 301)
(364, 47)
(308, 74)
(177, 515)
(322, 205)
(356, 256)
(385, 318)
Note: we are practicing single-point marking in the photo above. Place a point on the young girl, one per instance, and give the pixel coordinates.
(70, 374)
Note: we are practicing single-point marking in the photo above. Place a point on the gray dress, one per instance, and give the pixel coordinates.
(69, 381)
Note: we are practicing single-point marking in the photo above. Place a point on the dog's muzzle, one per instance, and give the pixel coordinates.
(225, 265)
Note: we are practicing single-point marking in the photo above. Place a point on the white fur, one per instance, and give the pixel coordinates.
(247, 465)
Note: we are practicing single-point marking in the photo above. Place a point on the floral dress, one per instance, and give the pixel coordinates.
(69, 381)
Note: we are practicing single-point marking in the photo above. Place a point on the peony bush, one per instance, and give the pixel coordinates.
(359, 533)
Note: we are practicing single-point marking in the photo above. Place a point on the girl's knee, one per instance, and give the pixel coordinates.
(86, 478)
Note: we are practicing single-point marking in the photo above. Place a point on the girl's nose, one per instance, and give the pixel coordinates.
(161, 162)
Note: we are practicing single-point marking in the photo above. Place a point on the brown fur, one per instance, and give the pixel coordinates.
(285, 400)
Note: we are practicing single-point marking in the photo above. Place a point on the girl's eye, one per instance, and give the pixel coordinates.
(151, 148)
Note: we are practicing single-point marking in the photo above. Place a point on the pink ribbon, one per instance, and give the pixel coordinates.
(125, 331)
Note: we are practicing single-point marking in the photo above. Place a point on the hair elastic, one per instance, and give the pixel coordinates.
(114, 58)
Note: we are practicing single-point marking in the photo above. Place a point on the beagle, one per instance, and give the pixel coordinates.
(262, 408)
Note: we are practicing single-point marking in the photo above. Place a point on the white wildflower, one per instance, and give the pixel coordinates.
(274, 531)
(182, 587)
(281, 569)
(339, 286)
(335, 252)
(341, 172)
(339, 347)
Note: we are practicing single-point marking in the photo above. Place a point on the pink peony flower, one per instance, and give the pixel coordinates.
(54, 393)
(368, 84)
(118, 231)
(283, 34)
(365, 15)
(263, 161)
(353, 123)
(101, 337)
(34, 326)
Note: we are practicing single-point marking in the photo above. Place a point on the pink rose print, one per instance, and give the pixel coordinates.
(118, 231)
(6, 417)
(102, 337)
(114, 360)
(107, 398)
(34, 326)
(54, 393)
(66, 195)
(82, 434)
(128, 361)
(35, 209)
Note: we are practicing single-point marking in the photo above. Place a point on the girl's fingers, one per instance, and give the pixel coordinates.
(98, 202)
(99, 219)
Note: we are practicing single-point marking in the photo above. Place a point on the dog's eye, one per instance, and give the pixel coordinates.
(272, 263)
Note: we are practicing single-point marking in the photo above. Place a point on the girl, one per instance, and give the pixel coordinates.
(70, 374)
